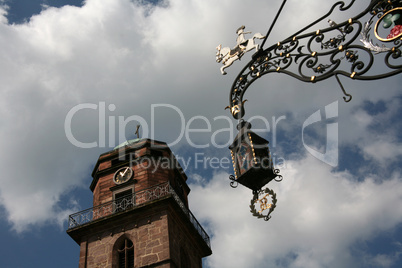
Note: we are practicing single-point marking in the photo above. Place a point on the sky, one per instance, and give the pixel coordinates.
(77, 77)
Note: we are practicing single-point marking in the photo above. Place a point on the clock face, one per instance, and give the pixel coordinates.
(122, 175)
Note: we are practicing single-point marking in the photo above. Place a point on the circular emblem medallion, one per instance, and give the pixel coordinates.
(266, 200)
(391, 22)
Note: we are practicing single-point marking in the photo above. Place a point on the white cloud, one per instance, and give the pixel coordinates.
(381, 260)
(377, 134)
(383, 151)
(3, 13)
(319, 216)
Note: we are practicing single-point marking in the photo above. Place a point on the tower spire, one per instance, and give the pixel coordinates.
(137, 131)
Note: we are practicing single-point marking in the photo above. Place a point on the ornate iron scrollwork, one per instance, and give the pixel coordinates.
(341, 49)
(233, 182)
(278, 177)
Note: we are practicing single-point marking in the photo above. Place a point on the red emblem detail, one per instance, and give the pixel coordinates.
(397, 30)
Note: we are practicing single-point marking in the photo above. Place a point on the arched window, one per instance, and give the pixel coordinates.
(126, 254)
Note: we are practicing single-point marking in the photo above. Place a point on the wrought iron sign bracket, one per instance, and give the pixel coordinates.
(344, 48)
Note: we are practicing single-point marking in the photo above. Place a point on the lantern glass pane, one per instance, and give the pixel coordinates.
(244, 158)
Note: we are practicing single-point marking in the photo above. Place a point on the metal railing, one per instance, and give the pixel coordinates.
(132, 201)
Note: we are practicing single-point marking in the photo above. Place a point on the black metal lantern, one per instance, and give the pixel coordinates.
(251, 158)
(253, 167)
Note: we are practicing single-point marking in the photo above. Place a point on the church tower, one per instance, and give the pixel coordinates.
(140, 215)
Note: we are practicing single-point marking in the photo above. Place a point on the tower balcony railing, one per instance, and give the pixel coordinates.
(131, 201)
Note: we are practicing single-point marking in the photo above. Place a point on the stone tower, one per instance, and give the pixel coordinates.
(140, 215)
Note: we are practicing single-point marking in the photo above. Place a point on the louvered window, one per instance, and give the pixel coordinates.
(126, 254)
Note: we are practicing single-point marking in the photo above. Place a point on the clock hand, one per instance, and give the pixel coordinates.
(125, 172)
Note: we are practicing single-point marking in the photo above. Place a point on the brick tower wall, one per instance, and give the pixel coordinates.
(150, 168)
(149, 235)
